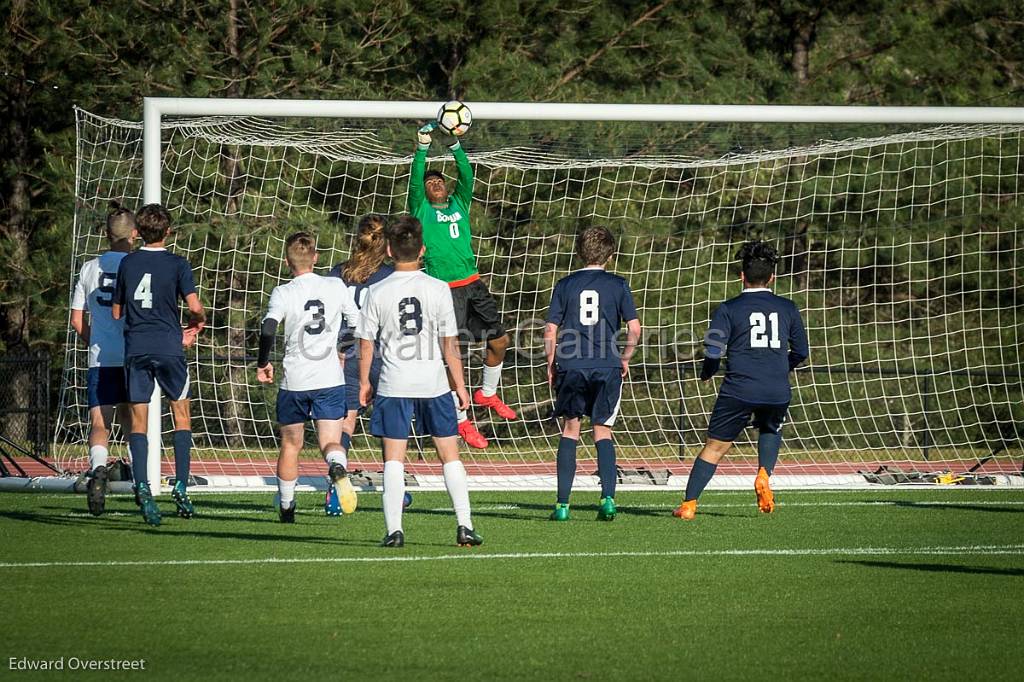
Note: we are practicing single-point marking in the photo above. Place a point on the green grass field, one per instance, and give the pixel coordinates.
(901, 584)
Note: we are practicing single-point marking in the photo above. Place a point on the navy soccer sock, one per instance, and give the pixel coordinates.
(346, 441)
(700, 476)
(182, 456)
(138, 446)
(768, 445)
(566, 468)
(606, 466)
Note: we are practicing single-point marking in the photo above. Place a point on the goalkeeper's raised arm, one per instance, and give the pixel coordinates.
(449, 256)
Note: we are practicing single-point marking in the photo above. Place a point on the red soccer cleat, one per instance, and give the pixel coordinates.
(493, 402)
(473, 438)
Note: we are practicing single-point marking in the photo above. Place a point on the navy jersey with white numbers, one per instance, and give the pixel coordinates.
(150, 284)
(763, 337)
(590, 306)
(358, 290)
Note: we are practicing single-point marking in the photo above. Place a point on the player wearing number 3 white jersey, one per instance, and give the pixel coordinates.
(410, 317)
(313, 386)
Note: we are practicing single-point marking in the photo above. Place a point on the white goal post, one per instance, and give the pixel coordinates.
(963, 157)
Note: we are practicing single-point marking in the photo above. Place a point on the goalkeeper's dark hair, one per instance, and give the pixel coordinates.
(432, 174)
(758, 259)
(405, 238)
(152, 221)
(369, 251)
(595, 245)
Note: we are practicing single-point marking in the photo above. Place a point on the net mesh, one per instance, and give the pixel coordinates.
(901, 249)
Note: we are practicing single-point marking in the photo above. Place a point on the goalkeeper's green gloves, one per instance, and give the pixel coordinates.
(423, 134)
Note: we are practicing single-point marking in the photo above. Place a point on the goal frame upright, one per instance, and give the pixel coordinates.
(155, 108)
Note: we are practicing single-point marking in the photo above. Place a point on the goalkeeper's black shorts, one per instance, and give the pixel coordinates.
(476, 313)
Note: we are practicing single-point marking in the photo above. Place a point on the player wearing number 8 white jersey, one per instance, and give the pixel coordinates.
(313, 386)
(410, 317)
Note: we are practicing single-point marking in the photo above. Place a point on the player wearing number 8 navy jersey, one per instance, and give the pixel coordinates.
(311, 307)
(150, 284)
(764, 338)
(410, 318)
(585, 365)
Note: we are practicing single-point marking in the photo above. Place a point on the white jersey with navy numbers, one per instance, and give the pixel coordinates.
(408, 313)
(312, 307)
(95, 293)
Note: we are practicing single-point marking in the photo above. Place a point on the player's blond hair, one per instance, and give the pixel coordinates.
(300, 249)
(595, 245)
(120, 223)
(370, 250)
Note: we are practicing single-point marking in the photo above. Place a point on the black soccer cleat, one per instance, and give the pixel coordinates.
(467, 537)
(396, 539)
(96, 491)
(287, 514)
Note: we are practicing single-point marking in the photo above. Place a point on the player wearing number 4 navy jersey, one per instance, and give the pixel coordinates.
(410, 318)
(313, 386)
(104, 335)
(150, 284)
(585, 364)
(764, 337)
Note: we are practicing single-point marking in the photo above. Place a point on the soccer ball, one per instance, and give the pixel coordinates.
(454, 118)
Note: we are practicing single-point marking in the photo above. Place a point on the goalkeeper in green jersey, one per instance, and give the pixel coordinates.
(449, 257)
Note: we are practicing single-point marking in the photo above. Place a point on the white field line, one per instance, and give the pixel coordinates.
(957, 550)
(626, 507)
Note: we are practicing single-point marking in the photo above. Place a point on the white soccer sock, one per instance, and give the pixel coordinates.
(458, 490)
(337, 457)
(463, 416)
(286, 489)
(492, 377)
(97, 457)
(394, 494)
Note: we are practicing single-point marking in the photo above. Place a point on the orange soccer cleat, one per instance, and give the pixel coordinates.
(495, 403)
(686, 511)
(765, 498)
(469, 433)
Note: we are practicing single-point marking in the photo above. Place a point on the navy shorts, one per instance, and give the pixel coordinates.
(595, 393)
(434, 417)
(106, 386)
(168, 371)
(298, 407)
(352, 381)
(731, 415)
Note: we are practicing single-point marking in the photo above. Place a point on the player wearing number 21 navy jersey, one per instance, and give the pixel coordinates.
(585, 364)
(311, 307)
(764, 339)
(410, 318)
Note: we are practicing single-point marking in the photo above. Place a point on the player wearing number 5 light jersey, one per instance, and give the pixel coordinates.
(762, 336)
(312, 308)
(410, 318)
(449, 257)
(94, 293)
(150, 285)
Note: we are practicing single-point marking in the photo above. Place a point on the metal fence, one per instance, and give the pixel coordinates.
(25, 403)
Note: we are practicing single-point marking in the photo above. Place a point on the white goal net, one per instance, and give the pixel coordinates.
(903, 249)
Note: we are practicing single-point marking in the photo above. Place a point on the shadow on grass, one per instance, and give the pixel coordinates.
(909, 504)
(937, 568)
